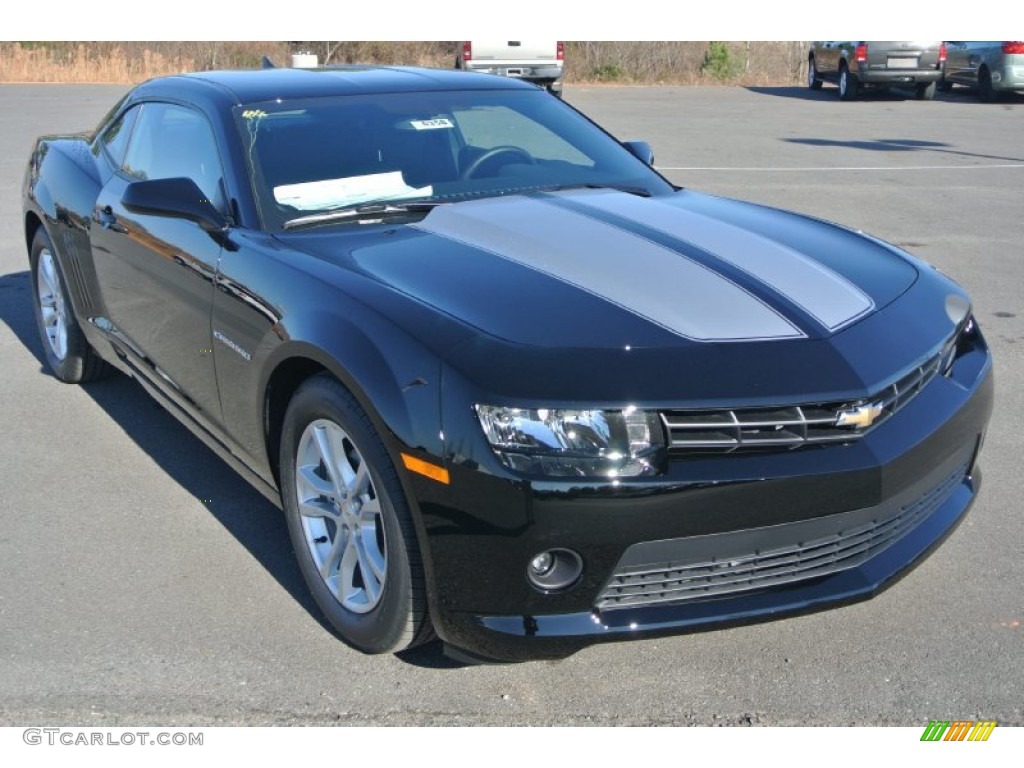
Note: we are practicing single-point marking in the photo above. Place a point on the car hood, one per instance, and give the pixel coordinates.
(600, 268)
(542, 282)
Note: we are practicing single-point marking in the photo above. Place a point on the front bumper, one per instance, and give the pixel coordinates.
(918, 468)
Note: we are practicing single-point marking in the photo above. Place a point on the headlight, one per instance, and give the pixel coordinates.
(574, 443)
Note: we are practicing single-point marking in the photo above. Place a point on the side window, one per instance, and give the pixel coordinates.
(115, 138)
(170, 141)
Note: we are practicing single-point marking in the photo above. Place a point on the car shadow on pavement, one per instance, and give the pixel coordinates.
(899, 145)
(256, 523)
(827, 93)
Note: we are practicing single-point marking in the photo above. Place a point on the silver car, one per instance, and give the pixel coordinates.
(856, 66)
(992, 67)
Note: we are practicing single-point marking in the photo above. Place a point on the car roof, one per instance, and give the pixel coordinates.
(256, 85)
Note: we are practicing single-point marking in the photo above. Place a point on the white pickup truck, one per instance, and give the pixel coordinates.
(535, 62)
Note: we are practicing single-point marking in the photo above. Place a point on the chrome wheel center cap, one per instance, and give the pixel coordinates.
(350, 515)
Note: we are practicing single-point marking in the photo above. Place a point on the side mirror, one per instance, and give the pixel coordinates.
(178, 198)
(641, 150)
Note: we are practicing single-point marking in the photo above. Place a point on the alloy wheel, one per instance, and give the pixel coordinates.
(341, 516)
(52, 305)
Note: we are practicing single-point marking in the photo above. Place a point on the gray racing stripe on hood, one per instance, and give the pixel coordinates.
(828, 297)
(623, 268)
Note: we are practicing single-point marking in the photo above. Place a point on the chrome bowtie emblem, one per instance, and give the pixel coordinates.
(862, 416)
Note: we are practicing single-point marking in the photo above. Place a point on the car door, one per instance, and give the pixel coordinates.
(157, 272)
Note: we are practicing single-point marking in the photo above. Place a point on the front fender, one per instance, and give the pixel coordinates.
(396, 381)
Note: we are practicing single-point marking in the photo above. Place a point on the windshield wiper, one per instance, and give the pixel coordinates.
(632, 190)
(360, 212)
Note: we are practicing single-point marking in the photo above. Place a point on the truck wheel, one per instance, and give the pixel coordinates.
(848, 86)
(813, 81)
(926, 92)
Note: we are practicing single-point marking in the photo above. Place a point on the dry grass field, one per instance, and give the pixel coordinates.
(654, 63)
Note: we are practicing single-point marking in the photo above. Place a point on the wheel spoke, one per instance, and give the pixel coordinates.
(371, 559)
(371, 579)
(314, 494)
(311, 484)
(347, 589)
(369, 511)
(360, 481)
(318, 508)
(331, 562)
(330, 460)
(48, 272)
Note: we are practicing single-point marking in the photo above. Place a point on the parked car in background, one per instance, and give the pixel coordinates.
(857, 65)
(992, 67)
(535, 62)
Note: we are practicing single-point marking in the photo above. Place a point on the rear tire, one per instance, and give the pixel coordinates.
(65, 347)
(349, 521)
(926, 92)
(813, 81)
(945, 85)
(848, 86)
(986, 92)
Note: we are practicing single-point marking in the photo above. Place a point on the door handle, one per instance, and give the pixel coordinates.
(108, 220)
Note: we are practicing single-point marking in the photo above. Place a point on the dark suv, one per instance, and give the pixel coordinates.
(857, 65)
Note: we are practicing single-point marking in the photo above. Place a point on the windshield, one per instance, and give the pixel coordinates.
(317, 155)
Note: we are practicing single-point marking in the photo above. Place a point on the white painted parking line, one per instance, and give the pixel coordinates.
(848, 168)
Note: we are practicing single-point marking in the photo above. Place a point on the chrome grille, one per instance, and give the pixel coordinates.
(724, 430)
(666, 583)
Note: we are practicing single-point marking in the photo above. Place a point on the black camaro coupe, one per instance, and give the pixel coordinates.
(508, 384)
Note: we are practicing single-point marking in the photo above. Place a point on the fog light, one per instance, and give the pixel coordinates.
(554, 570)
(542, 563)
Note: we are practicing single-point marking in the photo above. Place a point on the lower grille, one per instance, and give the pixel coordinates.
(666, 583)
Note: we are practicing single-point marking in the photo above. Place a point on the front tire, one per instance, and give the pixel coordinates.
(349, 521)
(67, 351)
(848, 86)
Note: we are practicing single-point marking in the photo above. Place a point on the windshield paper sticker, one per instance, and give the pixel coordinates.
(334, 193)
(432, 124)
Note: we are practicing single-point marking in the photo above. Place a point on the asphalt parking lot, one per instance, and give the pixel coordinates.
(141, 581)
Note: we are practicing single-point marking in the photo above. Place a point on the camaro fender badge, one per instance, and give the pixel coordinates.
(229, 343)
(863, 416)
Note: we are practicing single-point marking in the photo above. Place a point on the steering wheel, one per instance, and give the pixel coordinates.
(475, 165)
